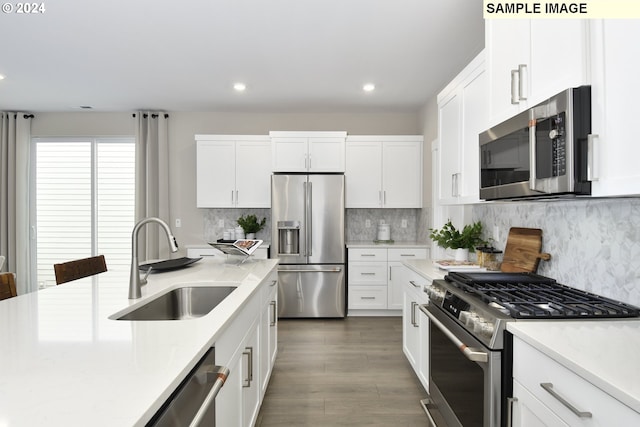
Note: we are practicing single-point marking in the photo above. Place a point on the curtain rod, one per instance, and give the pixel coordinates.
(153, 116)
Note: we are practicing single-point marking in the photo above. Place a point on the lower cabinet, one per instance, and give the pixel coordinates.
(248, 349)
(374, 278)
(415, 325)
(545, 393)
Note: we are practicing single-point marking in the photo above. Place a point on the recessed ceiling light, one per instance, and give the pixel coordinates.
(1, 77)
(369, 87)
(240, 87)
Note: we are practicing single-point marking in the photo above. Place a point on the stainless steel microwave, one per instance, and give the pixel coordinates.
(541, 152)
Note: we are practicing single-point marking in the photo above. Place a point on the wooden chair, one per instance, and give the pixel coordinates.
(77, 269)
(7, 286)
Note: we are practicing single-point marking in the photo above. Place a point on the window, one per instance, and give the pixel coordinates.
(84, 202)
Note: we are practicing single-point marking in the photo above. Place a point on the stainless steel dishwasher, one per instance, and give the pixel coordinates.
(193, 402)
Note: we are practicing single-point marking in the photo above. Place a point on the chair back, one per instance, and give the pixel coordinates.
(7, 286)
(77, 269)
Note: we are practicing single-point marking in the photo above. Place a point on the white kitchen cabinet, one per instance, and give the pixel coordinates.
(308, 151)
(374, 279)
(415, 325)
(614, 98)
(242, 349)
(383, 172)
(233, 171)
(268, 332)
(552, 395)
(462, 116)
(529, 61)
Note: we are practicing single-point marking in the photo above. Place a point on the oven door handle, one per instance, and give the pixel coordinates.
(473, 355)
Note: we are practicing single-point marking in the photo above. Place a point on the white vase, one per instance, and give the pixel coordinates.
(251, 236)
(462, 254)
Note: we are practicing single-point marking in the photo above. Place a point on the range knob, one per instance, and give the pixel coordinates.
(553, 133)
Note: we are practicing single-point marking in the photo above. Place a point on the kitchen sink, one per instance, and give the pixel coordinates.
(188, 302)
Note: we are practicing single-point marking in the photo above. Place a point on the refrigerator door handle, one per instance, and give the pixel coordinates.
(310, 219)
(305, 202)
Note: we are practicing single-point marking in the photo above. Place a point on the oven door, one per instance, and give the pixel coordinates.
(464, 380)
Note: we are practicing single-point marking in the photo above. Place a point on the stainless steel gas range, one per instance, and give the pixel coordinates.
(471, 351)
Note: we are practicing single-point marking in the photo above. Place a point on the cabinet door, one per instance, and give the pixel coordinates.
(402, 174)
(289, 154)
(449, 122)
(475, 119)
(326, 155)
(268, 339)
(250, 378)
(367, 273)
(394, 285)
(253, 174)
(507, 47)
(614, 100)
(363, 175)
(410, 326)
(528, 411)
(554, 71)
(215, 174)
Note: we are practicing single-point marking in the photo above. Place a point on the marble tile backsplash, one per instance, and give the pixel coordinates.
(229, 217)
(357, 230)
(594, 243)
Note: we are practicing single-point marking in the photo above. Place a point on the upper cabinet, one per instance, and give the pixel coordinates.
(614, 95)
(233, 171)
(462, 115)
(383, 172)
(308, 151)
(529, 61)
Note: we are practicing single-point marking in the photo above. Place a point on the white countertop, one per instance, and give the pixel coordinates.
(604, 352)
(426, 268)
(396, 244)
(63, 362)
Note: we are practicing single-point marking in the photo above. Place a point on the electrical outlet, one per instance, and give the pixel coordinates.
(221, 223)
(367, 223)
(178, 223)
(403, 223)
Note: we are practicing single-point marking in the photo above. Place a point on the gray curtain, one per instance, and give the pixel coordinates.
(152, 182)
(15, 239)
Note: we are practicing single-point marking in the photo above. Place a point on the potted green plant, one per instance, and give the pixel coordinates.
(462, 241)
(251, 225)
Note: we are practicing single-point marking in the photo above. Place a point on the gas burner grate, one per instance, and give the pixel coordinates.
(548, 300)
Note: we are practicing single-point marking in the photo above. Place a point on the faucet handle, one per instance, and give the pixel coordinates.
(143, 280)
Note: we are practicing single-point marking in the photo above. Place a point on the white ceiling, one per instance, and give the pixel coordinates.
(293, 55)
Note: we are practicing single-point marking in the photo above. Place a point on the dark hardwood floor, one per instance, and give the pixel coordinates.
(342, 372)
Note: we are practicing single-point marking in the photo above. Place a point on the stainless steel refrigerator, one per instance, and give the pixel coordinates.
(307, 220)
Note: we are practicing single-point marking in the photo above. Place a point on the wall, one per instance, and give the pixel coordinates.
(594, 243)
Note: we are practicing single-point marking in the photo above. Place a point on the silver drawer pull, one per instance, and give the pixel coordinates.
(414, 284)
(548, 387)
(367, 297)
(367, 274)
(367, 254)
(407, 254)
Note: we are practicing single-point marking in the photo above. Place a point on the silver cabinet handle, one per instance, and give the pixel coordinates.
(453, 185)
(221, 376)
(367, 274)
(367, 297)
(368, 255)
(522, 80)
(237, 198)
(510, 402)
(473, 355)
(514, 85)
(413, 314)
(384, 197)
(273, 282)
(414, 284)
(548, 387)
(407, 254)
(592, 173)
(274, 313)
(248, 351)
(232, 197)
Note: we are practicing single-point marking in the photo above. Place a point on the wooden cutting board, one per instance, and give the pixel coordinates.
(522, 253)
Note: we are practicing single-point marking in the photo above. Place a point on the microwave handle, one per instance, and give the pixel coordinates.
(532, 155)
(592, 173)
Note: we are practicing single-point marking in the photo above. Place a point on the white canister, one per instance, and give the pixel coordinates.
(384, 231)
(239, 233)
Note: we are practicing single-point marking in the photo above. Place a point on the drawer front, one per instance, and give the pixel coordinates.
(367, 273)
(203, 252)
(365, 254)
(581, 394)
(400, 254)
(368, 297)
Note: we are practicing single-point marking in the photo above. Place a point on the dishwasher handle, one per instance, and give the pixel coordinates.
(221, 375)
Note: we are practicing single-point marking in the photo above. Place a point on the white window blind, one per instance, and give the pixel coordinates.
(84, 200)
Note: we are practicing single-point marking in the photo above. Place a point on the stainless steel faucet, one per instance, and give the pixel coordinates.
(134, 277)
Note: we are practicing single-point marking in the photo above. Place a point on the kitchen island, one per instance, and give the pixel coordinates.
(64, 361)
